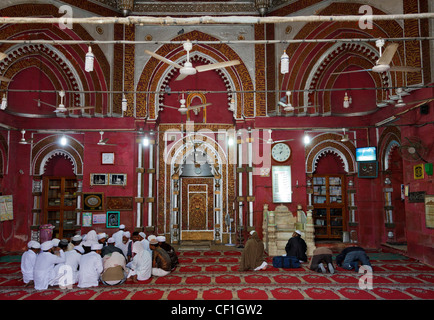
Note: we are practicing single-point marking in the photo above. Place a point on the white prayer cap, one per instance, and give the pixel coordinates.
(127, 234)
(122, 226)
(96, 246)
(77, 237)
(29, 244)
(298, 231)
(252, 232)
(87, 243)
(79, 249)
(142, 234)
(55, 242)
(47, 245)
(152, 237)
(111, 240)
(161, 239)
(34, 245)
(102, 235)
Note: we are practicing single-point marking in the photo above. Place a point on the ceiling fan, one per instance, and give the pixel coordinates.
(271, 141)
(183, 109)
(286, 104)
(23, 140)
(103, 142)
(61, 107)
(187, 69)
(383, 63)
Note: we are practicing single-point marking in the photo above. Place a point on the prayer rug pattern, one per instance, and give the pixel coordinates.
(214, 275)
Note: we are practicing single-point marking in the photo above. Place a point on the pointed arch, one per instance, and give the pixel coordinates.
(330, 143)
(156, 75)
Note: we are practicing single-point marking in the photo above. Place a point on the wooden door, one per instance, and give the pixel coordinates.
(197, 209)
(329, 203)
(60, 203)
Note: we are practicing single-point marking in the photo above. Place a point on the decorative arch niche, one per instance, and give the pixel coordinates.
(156, 75)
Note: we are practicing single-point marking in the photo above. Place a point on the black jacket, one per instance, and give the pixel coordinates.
(296, 247)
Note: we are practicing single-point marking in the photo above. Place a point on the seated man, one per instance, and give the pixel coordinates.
(141, 265)
(321, 256)
(28, 260)
(110, 248)
(90, 267)
(161, 264)
(252, 257)
(114, 269)
(44, 274)
(350, 257)
(296, 247)
(170, 250)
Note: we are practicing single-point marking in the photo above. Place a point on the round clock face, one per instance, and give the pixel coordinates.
(281, 152)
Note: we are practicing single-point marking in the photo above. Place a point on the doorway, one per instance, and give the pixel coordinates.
(60, 197)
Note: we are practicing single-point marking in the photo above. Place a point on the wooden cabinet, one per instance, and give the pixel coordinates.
(60, 202)
(329, 214)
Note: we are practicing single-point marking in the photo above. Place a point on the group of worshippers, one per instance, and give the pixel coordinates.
(253, 256)
(93, 258)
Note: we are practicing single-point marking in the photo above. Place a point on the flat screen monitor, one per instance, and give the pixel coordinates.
(366, 154)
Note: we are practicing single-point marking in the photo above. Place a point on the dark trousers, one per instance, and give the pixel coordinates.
(320, 258)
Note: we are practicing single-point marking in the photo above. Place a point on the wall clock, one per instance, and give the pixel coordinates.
(280, 152)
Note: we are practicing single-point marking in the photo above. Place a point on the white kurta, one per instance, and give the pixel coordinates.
(118, 236)
(73, 260)
(43, 273)
(91, 268)
(27, 265)
(124, 247)
(141, 265)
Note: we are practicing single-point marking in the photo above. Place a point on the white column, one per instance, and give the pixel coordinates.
(240, 178)
(250, 178)
(151, 180)
(139, 184)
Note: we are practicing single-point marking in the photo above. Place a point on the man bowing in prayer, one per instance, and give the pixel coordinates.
(252, 257)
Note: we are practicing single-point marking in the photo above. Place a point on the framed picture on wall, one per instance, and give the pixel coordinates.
(108, 158)
(93, 201)
(98, 179)
(118, 179)
(113, 219)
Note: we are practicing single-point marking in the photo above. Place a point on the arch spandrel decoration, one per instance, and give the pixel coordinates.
(330, 142)
(390, 139)
(48, 147)
(98, 80)
(154, 71)
(300, 72)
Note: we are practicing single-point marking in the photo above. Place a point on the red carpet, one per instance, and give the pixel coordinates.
(214, 275)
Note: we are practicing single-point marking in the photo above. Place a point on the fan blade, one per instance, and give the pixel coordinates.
(199, 106)
(165, 60)
(4, 79)
(164, 106)
(39, 101)
(405, 69)
(2, 56)
(283, 140)
(181, 77)
(388, 54)
(79, 108)
(353, 71)
(218, 65)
